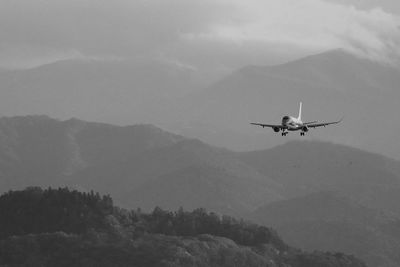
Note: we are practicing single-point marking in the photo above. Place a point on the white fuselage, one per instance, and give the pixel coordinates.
(291, 123)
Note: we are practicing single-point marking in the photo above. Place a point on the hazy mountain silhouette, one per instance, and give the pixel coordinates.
(169, 94)
(330, 84)
(302, 167)
(328, 221)
(123, 92)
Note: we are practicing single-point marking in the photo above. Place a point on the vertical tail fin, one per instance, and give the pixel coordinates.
(299, 117)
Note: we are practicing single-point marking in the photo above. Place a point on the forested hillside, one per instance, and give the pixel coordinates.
(60, 227)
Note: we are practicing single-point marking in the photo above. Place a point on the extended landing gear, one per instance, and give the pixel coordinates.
(284, 133)
(302, 134)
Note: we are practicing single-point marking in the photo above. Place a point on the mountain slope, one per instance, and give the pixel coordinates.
(328, 221)
(188, 174)
(130, 163)
(306, 167)
(40, 150)
(205, 186)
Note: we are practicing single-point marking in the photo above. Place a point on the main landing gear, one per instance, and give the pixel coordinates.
(302, 134)
(284, 133)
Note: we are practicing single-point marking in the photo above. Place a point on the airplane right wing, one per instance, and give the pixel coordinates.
(315, 125)
(267, 125)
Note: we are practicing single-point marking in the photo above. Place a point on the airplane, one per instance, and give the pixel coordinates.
(290, 123)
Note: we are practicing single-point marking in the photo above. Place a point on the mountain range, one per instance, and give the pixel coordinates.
(218, 110)
(142, 166)
(132, 162)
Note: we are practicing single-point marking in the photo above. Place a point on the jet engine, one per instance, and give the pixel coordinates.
(304, 129)
(276, 129)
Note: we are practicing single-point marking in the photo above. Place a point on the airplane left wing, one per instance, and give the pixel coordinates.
(267, 125)
(315, 125)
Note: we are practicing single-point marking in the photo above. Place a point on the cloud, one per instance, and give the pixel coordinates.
(228, 33)
(308, 24)
(392, 6)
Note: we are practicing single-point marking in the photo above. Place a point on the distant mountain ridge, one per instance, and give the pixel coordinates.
(336, 67)
(118, 91)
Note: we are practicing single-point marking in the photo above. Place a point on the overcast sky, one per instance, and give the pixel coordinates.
(195, 33)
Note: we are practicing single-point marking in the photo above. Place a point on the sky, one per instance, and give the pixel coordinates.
(222, 34)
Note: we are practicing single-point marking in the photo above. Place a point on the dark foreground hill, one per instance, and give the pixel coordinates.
(67, 228)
